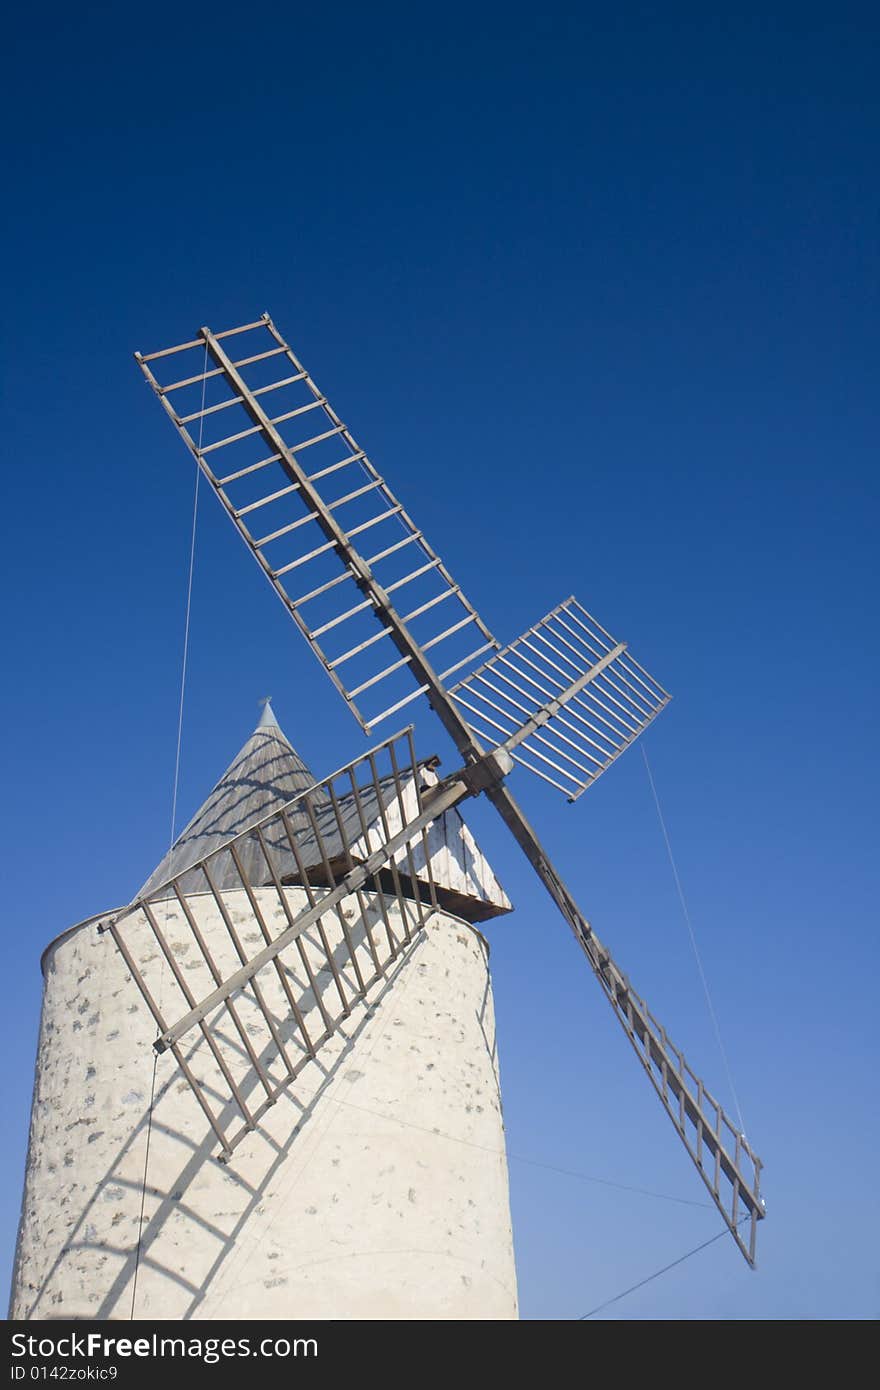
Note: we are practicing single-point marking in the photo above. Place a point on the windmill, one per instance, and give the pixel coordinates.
(277, 940)
(389, 625)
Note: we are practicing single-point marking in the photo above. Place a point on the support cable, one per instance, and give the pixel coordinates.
(687, 917)
(176, 781)
(656, 1275)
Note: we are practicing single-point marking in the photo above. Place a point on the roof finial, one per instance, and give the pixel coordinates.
(267, 718)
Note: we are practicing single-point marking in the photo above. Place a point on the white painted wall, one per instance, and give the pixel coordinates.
(456, 860)
(375, 1188)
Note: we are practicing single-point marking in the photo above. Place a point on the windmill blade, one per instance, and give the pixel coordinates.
(336, 545)
(722, 1155)
(252, 958)
(565, 693)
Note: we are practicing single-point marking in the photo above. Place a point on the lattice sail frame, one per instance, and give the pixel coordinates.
(722, 1155)
(314, 493)
(252, 979)
(566, 689)
(598, 684)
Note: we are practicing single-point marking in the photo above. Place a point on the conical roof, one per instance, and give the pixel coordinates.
(267, 773)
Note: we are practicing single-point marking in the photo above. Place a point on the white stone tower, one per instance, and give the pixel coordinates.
(376, 1186)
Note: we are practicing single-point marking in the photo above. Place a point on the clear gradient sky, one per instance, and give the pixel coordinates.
(619, 265)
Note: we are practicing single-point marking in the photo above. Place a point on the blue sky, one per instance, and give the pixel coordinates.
(598, 292)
